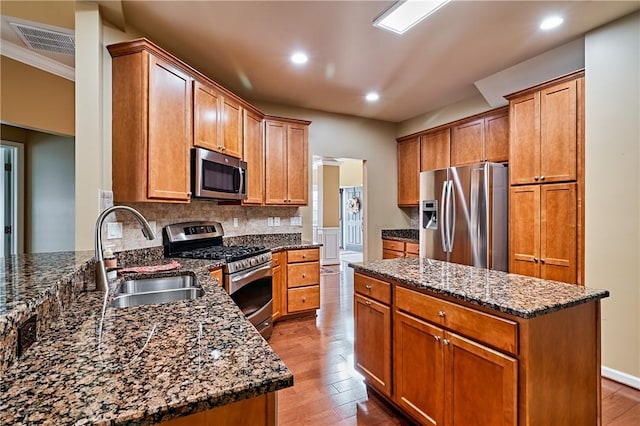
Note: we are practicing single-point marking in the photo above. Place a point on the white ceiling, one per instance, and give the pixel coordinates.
(245, 45)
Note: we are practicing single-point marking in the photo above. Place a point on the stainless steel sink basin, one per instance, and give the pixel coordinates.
(156, 284)
(151, 291)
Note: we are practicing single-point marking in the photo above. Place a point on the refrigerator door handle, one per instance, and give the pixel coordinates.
(443, 218)
(451, 205)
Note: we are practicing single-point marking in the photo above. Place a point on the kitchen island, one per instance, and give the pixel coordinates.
(458, 345)
(155, 363)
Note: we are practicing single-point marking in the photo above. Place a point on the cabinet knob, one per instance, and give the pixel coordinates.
(304, 275)
(367, 303)
(541, 177)
(368, 287)
(535, 260)
(437, 338)
(535, 178)
(541, 260)
(304, 256)
(441, 314)
(304, 299)
(445, 342)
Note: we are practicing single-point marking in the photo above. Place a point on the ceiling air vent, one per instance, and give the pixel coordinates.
(46, 40)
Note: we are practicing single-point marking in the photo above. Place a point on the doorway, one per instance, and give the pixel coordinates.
(11, 155)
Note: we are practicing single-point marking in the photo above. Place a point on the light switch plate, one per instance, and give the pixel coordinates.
(235, 222)
(276, 221)
(114, 230)
(269, 221)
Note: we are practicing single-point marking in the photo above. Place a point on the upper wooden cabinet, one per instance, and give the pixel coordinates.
(152, 127)
(254, 156)
(482, 139)
(545, 132)
(409, 172)
(286, 161)
(217, 121)
(435, 151)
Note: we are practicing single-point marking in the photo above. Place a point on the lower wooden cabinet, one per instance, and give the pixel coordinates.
(296, 282)
(392, 249)
(217, 274)
(372, 339)
(279, 286)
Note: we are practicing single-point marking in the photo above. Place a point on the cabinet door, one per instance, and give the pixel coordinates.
(496, 137)
(409, 172)
(480, 384)
(275, 177)
(524, 230)
(558, 145)
(558, 232)
(467, 143)
(206, 109)
(297, 164)
(524, 139)
(435, 150)
(254, 156)
(372, 342)
(170, 130)
(391, 254)
(418, 373)
(231, 128)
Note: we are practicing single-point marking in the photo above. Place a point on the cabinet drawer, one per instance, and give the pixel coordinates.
(305, 255)
(392, 245)
(392, 254)
(303, 274)
(373, 288)
(412, 248)
(303, 299)
(494, 331)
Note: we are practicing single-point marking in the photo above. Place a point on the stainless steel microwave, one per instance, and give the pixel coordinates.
(217, 176)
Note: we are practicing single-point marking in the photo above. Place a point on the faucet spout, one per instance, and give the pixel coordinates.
(101, 272)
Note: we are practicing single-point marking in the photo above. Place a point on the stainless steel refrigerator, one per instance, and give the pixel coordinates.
(464, 215)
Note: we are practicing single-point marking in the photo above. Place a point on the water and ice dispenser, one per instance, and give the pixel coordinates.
(430, 214)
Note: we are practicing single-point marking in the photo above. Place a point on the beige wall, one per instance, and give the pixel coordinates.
(36, 99)
(330, 196)
(350, 172)
(612, 255)
(343, 136)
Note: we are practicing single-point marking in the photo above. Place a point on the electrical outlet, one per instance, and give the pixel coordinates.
(269, 221)
(235, 222)
(114, 230)
(276, 221)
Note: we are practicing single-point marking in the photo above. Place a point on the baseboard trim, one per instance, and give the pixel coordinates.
(620, 377)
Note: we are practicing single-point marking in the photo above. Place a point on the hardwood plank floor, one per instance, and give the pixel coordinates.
(328, 391)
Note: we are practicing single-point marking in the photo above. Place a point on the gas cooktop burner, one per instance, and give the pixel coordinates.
(226, 253)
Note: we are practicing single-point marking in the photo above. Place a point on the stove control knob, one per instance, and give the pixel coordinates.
(254, 261)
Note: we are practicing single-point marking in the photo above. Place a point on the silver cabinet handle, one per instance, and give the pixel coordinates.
(541, 260)
(535, 178)
(541, 177)
(304, 275)
(437, 338)
(445, 342)
(535, 260)
(367, 303)
(441, 314)
(368, 287)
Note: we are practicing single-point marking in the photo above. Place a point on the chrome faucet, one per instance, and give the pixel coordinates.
(101, 272)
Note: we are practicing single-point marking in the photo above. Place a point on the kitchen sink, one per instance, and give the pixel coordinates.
(146, 285)
(151, 291)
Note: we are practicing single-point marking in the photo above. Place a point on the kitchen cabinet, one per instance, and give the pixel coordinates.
(543, 235)
(217, 121)
(151, 126)
(372, 339)
(286, 161)
(256, 411)
(392, 249)
(217, 274)
(435, 150)
(279, 289)
(483, 139)
(545, 133)
(409, 172)
(303, 280)
(254, 156)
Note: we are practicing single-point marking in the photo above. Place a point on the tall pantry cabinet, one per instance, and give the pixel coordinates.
(546, 217)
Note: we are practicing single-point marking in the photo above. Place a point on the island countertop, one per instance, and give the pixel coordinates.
(517, 295)
(201, 354)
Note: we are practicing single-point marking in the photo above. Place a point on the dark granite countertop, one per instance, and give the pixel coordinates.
(201, 353)
(406, 235)
(517, 295)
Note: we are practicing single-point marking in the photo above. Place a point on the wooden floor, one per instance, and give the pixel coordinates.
(327, 390)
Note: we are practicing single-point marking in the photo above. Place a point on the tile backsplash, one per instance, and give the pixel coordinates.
(251, 220)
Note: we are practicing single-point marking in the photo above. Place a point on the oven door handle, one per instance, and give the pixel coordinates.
(237, 281)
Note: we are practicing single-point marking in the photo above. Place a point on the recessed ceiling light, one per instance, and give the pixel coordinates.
(551, 22)
(404, 14)
(299, 58)
(372, 97)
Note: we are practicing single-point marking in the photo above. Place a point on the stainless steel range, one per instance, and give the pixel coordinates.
(247, 275)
